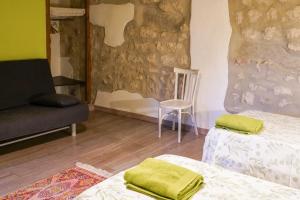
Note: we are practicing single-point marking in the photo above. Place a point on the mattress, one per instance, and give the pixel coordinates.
(219, 184)
(273, 155)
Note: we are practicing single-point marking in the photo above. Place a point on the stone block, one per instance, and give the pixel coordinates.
(155, 41)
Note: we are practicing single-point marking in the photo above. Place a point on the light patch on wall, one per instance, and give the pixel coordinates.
(55, 55)
(135, 103)
(129, 102)
(114, 19)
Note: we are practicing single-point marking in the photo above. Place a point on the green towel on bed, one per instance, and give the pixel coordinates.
(239, 123)
(163, 180)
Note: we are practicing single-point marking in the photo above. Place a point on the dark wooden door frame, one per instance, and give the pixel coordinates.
(88, 54)
(48, 30)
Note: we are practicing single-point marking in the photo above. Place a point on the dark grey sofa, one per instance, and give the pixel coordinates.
(20, 81)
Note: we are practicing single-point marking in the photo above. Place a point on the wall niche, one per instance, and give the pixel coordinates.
(68, 47)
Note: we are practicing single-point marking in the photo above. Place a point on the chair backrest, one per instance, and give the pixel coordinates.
(186, 84)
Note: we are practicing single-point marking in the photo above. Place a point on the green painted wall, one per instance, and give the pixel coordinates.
(22, 29)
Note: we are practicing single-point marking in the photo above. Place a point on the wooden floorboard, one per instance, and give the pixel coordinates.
(105, 141)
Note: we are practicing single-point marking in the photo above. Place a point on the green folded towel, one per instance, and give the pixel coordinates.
(163, 180)
(239, 123)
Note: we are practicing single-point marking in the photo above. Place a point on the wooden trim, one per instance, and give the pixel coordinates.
(48, 30)
(88, 53)
(154, 120)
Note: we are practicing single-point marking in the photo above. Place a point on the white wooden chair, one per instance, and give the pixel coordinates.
(186, 84)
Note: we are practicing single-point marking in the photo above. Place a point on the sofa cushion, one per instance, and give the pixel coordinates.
(21, 80)
(55, 100)
(31, 119)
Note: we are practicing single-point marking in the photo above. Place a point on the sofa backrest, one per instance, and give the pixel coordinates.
(22, 80)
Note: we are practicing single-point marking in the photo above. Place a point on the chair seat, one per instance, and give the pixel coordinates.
(175, 104)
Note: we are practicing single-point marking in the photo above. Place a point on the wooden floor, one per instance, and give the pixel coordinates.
(106, 141)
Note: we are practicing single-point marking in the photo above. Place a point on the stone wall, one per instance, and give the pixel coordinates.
(156, 40)
(264, 58)
(72, 40)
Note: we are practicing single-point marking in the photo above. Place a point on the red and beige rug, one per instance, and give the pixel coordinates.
(62, 186)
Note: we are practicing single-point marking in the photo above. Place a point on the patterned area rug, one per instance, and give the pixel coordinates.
(62, 186)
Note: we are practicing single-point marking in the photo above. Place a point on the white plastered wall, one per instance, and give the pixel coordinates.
(55, 54)
(114, 19)
(210, 37)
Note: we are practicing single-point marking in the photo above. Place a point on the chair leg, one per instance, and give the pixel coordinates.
(159, 122)
(179, 126)
(194, 121)
(195, 125)
(73, 129)
(173, 125)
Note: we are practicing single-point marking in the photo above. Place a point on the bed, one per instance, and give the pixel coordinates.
(219, 184)
(273, 155)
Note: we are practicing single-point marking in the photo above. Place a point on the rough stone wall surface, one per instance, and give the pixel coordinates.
(72, 33)
(264, 58)
(155, 41)
(73, 41)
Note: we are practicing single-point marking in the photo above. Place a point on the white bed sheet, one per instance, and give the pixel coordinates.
(273, 155)
(220, 184)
